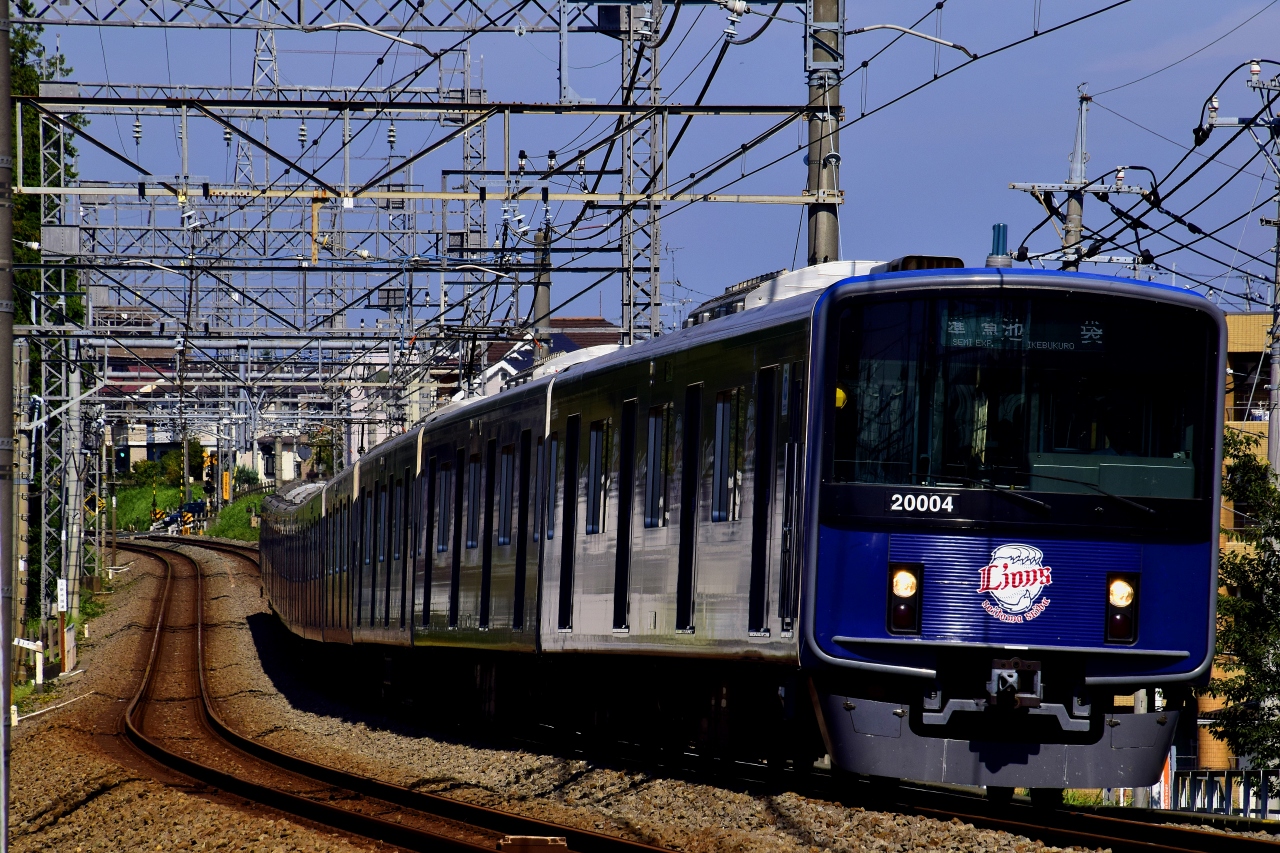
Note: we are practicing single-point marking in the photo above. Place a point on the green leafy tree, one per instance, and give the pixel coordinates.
(31, 64)
(147, 472)
(1248, 647)
(171, 463)
(245, 476)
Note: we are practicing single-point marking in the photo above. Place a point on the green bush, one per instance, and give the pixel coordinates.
(245, 476)
(233, 520)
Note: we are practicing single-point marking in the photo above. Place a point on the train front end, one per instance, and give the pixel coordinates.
(1011, 524)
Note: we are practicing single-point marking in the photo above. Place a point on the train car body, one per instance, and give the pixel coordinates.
(940, 517)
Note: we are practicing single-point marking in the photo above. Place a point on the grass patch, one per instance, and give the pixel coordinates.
(133, 505)
(1082, 796)
(233, 520)
(91, 606)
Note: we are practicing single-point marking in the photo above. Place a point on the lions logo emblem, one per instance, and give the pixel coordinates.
(1015, 579)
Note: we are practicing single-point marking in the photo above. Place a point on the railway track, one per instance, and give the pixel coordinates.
(379, 810)
(173, 721)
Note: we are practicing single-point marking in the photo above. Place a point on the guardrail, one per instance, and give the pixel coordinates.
(1248, 793)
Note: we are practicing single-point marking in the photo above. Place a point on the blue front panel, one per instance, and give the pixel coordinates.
(1053, 594)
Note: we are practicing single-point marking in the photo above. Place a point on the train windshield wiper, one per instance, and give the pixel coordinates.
(1098, 489)
(1008, 491)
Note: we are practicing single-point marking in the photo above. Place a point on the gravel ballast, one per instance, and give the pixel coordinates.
(78, 786)
(684, 815)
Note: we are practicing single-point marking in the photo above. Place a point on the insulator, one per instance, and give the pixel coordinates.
(522, 160)
(137, 130)
(582, 162)
(1119, 177)
(226, 136)
(391, 135)
(1254, 70)
(551, 159)
(302, 134)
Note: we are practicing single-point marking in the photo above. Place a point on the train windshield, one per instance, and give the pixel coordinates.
(1051, 392)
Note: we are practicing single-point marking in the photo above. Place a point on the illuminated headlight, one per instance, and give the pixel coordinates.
(904, 583)
(904, 598)
(1120, 593)
(1122, 608)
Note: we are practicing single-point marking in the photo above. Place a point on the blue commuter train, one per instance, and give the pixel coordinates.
(934, 522)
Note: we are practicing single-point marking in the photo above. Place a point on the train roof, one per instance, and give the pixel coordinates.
(779, 299)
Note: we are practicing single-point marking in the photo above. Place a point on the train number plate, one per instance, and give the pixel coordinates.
(921, 504)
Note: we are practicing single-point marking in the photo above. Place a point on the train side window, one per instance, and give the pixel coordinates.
(540, 477)
(727, 465)
(597, 471)
(572, 436)
(626, 497)
(506, 493)
(455, 568)
(367, 511)
(397, 520)
(657, 459)
(690, 480)
(522, 531)
(486, 564)
(381, 513)
(473, 501)
(549, 499)
(762, 500)
(430, 524)
(444, 491)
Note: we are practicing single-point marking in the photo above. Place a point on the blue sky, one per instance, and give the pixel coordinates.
(927, 175)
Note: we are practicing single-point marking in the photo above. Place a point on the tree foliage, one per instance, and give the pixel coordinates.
(30, 63)
(1248, 647)
(171, 463)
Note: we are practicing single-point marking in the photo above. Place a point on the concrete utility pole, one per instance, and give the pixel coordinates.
(542, 287)
(824, 63)
(1076, 187)
(1074, 226)
(7, 562)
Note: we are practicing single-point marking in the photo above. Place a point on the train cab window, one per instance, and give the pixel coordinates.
(444, 494)
(473, 501)
(657, 459)
(506, 493)
(549, 499)
(597, 456)
(726, 467)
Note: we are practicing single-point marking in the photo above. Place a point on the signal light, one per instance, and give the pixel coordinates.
(1122, 608)
(904, 598)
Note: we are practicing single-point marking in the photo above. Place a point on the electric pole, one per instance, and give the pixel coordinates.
(1074, 226)
(824, 63)
(1075, 188)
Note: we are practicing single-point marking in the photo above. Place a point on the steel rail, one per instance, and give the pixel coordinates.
(431, 805)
